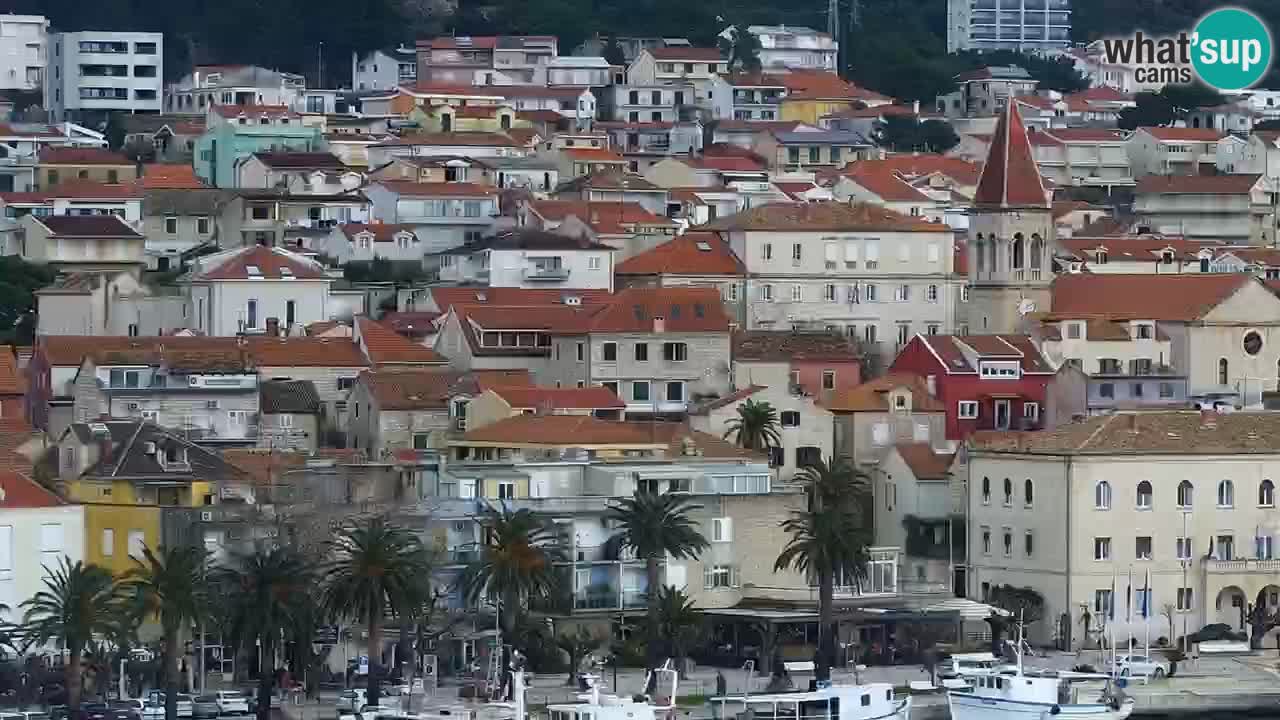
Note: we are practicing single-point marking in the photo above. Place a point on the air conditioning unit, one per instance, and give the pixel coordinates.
(460, 424)
(211, 405)
(133, 406)
(206, 516)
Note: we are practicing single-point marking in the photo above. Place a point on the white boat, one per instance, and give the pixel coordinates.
(874, 701)
(596, 705)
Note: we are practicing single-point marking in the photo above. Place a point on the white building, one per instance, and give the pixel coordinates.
(245, 289)
(82, 242)
(1173, 151)
(24, 44)
(1025, 25)
(525, 258)
(577, 71)
(359, 242)
(793, 47)
(49, 529)
(384, 69)
(92, 72)
(239, 85)
(1231, 209)
(1182, 498)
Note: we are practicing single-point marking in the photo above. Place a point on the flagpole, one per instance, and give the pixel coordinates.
(1128, 613)
(1111, 617)
(1146, 613)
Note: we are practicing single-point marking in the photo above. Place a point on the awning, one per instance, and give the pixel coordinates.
(1004, 395)
(966, 609)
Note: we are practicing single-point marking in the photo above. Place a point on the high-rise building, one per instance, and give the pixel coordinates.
(24, 40)
(1008, 24)
(95, 72)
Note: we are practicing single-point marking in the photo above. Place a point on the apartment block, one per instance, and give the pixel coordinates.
(92, 73)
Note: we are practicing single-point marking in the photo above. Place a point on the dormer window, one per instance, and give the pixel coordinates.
(1100, 256)
(1144, 331)
(1166, 257)
(1000, 369)
(1075, 330)
(900, 402)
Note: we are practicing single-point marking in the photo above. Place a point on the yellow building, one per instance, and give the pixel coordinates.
(812, 95)
(467, 118)
(128, 474)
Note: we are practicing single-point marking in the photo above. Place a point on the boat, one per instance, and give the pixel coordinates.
(595, 705)
(873, 701)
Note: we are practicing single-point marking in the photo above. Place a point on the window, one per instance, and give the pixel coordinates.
(1166, 390)
(1184, 548)
(1008, 492)
(642, 352)
(869, 292)
(810, 456)
(1266, 494)
(1264, 547)
(251, 314)
(108, 542)
(1144, 495)
(789, 418)
(869, 333)
(1102, 601)
(1186, 494)
(829, 292)
(796, 253)
(797, 293)
(640, 390)
(610, 350)
(986, 540)
(720, 576)
(1223, 373)
(137, 541)
(675, 352)
(421, 441)
(171, 225)
(1107, 390)
(1008, 542)
(1102, 548)
(904, 333)
(1226, 494)
(593, 263)
(1029, 544)
(1185, 599)
(931, 293)
(967, 410)
(1252, 342)
(766, 293)
(828, 379)
(1224, 547)
(1028, 492)
(1031, 411)
(721, 529)
(1142, 547)
(986, 491)
(675, 391)
(766, 251)
(580, 349)
(1102, 495)
(506, 489)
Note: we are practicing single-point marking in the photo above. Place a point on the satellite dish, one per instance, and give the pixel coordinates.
(1026, 306)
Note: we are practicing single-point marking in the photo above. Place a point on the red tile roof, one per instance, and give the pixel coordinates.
(607, 218)
(412, 324)
(20, 491)
(158, 176)
(271, 262)
(561, 92)
(1175, 298)
(726, 163)
(872, 396)
(1102, 93)
(911, 166)
(695, 54)
(925, 462)
(384, 346)
(693, 253)
(88, 226)
(586, 431)
(11, 380)
(1010, 178)
(304, 352)
(1086, 134)
(953, 351)
(682, 309)
(545, 398)
(593, 154)
(824, 216)
(1182, 133)
(1197, 184)
(446, 297)
(818, 84)
(410, 188)
(82, 156)
(880, 179)
(787, 345)
(410, 389)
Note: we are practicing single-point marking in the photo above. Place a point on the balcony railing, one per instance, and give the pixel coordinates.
(551, 274)
(1249, 566)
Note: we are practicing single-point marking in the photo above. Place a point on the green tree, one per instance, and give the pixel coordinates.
(78, 602)
(742, 49)
(655, 526)
(265, 591)
(755, 427)
(613, 51)
(679, 623)
(1149, 110)
(829, 542)
(904, 133)
(515, 566)
(377, 567)
(19, 280)
(577, 645)
(171, 583)
(1051, 73)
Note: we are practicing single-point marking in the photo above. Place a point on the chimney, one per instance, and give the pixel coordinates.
(659, 324)
(273, 327)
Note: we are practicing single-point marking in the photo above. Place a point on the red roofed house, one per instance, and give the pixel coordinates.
(528, 258)
(695, 258)
(37, 530)
(1231, 209)
(13, 387)
(503, 401)
(362, 242)
(877, 183)
(445, 215)
(82, 242)
(256, 289)
(59, 164)
(986, 382)
(1173, 151)
(1012, 239)
(385, 348)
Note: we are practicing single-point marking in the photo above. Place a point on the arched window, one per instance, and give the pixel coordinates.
(993, 250)
(986, 491)
(1017, 252)
(1266, 494)
(1226, 494)
(1186, 494)
(1222, 371)
(1008, 491)
(1028, 492)
(979, 252)
(1037, 252)
(1102, 495)
(1144, 494)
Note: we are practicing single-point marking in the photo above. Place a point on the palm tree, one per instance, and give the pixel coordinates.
(516, 565)
(756, 427)
(265, 591)
(679, 622)
(171, 582)
(577, 645)
(377, 567)
(78, 602)
(828, 542)
(654, 526)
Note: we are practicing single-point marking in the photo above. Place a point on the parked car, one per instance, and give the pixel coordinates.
(127, 709)
(351, 700)
(1216, 631)
(232, 702)
(205, 706)
(184, 702)
(152, 710)
(1141, 666)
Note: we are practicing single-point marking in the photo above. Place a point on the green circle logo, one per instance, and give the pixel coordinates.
(1231, 49)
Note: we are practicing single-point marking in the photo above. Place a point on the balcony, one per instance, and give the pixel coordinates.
(546, 273)
(1250, 566)
(603, 597)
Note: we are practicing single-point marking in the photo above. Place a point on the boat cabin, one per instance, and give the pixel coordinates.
(838, 702)
(609, 707)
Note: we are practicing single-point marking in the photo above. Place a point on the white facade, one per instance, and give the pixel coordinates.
(231, 307)
(384, 69)
(1025, 25)
(32, 541)
(93, 72)
(803, 423)
(24, 44)
(793, 47)
(531, 268)
(579, 71)
(1150, 155)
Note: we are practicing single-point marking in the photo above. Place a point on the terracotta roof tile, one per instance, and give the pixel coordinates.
(88, 226)
(289, 396)
(911, 166)
(1183, 133)
(1010, 177)
(824, 216)
(1178, 298)
(925, 462)
(82, 156)
(880, 179)
(1148, 432)
(546, 398)
(456, 139)
(271, 263)
(381, 232)
(872, 396)
(446, 297)
(305, 352)
(264, 467)
(586, 431)
(170, 176)
(411, 324)
(682, 309)
(20, 491)
(593, 154)
(384, 346)
(608, 218)
(11, 381)
(693, 253)
(786, 345)
(273, 111)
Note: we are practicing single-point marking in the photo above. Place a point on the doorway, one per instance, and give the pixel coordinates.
(1002, 414)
